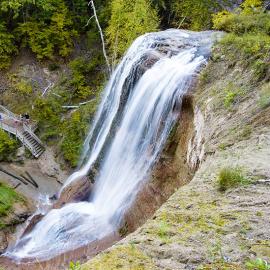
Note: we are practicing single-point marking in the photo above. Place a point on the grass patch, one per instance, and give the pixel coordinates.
(75, 266)
(222, 146)
(231, 177)
(121, 257)
(246, 133)
(264, 100)
(163, 230)
(7, 198)
(232, 95)
(8, 146)
(258, 264)
(221, 266)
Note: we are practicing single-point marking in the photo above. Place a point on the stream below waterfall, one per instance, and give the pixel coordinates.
(139, 108)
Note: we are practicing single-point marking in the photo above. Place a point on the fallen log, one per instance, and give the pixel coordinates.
(17, 186)
(32, 179)
(14, 176)
(27, 180)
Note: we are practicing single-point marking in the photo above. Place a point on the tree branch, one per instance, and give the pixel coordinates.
(101, 34)
(89, 21)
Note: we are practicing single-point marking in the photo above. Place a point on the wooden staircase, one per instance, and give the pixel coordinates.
(12, 123)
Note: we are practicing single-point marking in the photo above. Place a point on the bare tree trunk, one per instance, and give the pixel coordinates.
(114, 58)
(101, 35)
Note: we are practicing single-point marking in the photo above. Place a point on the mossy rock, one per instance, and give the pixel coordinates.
(121, 257)
(221, 266)
(261, 250)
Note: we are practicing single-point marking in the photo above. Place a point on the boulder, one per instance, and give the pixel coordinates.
(78, 190)
(20, 152)
(32, 222)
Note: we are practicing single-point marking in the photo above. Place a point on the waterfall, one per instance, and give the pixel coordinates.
(140, 106)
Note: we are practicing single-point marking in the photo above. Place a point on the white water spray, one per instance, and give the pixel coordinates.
(142, 115)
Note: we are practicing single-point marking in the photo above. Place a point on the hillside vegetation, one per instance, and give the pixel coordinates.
(33, 24)
(72, 60)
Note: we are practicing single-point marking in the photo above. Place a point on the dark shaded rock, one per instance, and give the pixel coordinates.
(79, 190)
(3, 242)
(32, 222)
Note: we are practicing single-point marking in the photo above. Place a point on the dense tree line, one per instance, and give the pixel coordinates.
(50, 27)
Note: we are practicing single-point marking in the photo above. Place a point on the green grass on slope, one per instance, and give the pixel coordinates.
(125, 258)
(230, 178)
(7, 199)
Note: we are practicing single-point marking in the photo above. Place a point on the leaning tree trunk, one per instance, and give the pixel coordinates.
(101, 35)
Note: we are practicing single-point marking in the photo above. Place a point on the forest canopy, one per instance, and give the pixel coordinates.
(50, 28)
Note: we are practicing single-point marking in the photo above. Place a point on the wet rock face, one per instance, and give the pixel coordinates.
(79, 190)
(170, 172)
(3, 242)
(19, 214)
(32, 222)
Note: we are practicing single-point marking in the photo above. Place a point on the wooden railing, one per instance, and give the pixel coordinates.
(9, 113)
(29, 128)
(18, 129)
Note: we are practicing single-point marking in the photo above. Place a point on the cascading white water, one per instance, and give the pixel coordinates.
(144, 122)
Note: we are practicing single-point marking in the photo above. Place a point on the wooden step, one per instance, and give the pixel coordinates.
(22, 132)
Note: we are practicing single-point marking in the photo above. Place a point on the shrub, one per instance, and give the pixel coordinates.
(239, 23)
(264, 100)
(48, 39)
(258, 264)
(248, 42)
(8, 146)
(53, 67)
(229, 98)
(163, 230)
(24, 88)
(7, 47)
(74, 266)
(250, 17)
(248, 45)
(48, 113)
(251, 6)
(80, 68)
(37, 36)
(87, 76)
(74, 131)
(231, 177)
(232, 93)
(194, 14)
